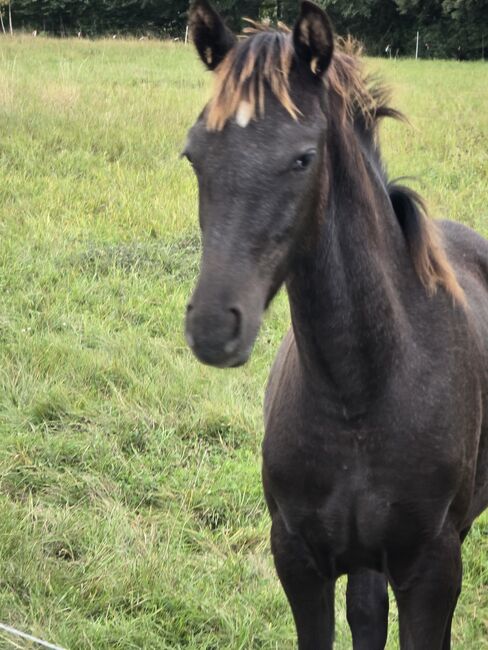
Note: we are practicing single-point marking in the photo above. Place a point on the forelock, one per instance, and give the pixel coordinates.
(262, 60)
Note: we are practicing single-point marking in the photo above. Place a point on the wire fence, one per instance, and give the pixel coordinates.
(28, 637)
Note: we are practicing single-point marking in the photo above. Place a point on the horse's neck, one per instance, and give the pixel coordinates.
(345, 288)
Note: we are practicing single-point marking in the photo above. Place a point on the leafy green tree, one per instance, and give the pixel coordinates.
(447, 27)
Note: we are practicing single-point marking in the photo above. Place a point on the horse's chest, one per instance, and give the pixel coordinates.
(353, 493)
(309, 476)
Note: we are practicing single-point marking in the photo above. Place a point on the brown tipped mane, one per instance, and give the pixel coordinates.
(424, 242)
(263, 58)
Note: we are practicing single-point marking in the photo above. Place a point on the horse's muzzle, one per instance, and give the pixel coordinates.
(215, 335)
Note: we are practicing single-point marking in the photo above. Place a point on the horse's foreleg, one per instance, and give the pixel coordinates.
(447, 636)
(310, 595)
(427, 589)
(367, 609)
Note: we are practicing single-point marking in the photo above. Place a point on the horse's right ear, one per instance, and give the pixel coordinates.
(211, 37)
(313, 38)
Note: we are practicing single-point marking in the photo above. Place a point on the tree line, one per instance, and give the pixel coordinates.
(447, 28)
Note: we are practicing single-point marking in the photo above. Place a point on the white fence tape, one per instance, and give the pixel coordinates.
(29, 637)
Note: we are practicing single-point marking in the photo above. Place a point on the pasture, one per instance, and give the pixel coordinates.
(131, 510)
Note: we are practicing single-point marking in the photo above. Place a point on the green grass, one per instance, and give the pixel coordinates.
(131, 513)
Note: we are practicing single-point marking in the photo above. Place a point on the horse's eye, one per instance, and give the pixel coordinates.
(303, 161)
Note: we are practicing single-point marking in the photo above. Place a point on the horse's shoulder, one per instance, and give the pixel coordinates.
(468, 253)
(462, 241)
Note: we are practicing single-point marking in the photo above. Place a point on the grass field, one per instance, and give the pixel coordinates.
(131, 513)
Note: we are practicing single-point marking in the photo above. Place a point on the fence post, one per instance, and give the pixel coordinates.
(10, 18)
(417, 47)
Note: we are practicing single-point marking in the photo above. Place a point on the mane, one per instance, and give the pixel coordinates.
(424, 242)
(263, 58)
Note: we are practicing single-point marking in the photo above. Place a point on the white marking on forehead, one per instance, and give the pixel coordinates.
(244, 114)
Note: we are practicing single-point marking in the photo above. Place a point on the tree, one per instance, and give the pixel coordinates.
(6, 5)
(451, 27)
(3, 4)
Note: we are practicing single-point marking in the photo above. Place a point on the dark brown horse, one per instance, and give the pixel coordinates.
(376, 446)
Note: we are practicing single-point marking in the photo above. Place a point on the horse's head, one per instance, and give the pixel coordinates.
(256, 150)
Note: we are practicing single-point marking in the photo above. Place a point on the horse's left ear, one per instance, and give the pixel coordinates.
(313, 38)
(211, 37)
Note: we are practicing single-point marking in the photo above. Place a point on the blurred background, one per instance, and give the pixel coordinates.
(446, 28)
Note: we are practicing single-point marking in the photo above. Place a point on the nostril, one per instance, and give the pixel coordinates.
(238, 322)
(214, 332)
(233, 342)
(189, 337)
